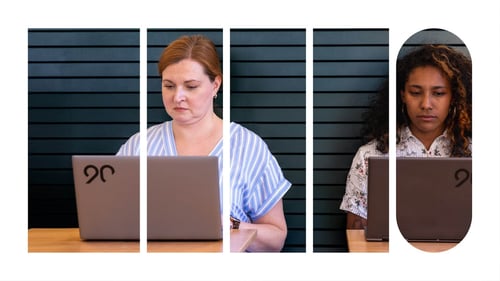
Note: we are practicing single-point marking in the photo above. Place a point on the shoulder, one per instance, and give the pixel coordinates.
(240, 133)
(158, 127)
(368, 149)
(245, 141)
(152, 130)
(238, 129)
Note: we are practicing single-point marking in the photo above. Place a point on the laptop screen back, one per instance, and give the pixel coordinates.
(377, 224)
(434, 198)
(183, 197)
(107, 197)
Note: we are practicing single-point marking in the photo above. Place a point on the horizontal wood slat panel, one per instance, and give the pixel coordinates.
(349, 67)
(161, 37)
(277, 115)
(329, 220)
(337, 161)
(347, 84)
(73, 146)
(299, 188)
(330, 177)
(267, 84)
(83, 98)
(340, 130)
(84, 69)
(256, 37)
(83, 37)
(89, 100)
(83, 131)
(278, 131)
(350, 53)
(268, 69)
(291, 161)
(339, 99)
(368, 69)
(330, 191)
(330, 206)
(286, 145)
(84, 115)
(268, 97)
(330, 238)
(114, 84)
(350, 37)
(83, 55)
(340, 114)
(274, 100)
(271, 54)
(336, 145)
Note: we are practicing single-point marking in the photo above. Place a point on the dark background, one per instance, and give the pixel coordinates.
(83, 98)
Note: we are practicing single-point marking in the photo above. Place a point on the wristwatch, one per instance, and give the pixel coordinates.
(235, 223)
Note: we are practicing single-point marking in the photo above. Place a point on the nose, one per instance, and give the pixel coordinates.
(179, 95)
(426, 102)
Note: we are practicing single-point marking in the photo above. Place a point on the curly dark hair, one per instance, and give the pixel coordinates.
(376, 119)
(457, 68)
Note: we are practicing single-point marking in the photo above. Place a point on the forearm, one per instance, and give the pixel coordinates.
(355, 221)
(270, 238)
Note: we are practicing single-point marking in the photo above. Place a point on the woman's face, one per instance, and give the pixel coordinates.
(427, 96)
(187, 91)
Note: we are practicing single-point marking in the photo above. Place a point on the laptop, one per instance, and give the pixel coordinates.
(183, 197)
(434, 198)
(377, 224)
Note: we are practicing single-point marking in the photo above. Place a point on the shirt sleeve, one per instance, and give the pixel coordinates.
(270, 187)
(130, 147)
(355, 197)
(257, 181)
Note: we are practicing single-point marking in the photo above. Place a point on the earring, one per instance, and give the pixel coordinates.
(454, 112)
(215, 96)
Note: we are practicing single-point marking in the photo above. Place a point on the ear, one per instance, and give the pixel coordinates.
(216, 84)
(402, 95)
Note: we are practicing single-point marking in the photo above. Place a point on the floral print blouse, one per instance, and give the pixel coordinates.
(355, 197)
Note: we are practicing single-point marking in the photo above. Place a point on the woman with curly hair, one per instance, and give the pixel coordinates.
(434, 118)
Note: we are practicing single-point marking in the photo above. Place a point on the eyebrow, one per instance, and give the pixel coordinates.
(187, 81)
(433, 87)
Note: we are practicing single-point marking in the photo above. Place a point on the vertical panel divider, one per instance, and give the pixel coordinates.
(226, 106)
(309, 140)
(143, 139)
(392, 143)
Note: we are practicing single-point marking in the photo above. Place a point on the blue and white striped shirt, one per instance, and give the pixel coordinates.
(257, 182)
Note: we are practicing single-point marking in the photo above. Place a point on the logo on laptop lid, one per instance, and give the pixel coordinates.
(97, 172)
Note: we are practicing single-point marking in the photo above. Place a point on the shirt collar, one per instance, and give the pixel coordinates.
(406, 134)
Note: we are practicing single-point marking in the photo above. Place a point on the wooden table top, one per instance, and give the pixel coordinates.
(68, 240)
(356, 242)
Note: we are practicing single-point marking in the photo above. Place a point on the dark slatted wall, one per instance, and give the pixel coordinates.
(83, 98)
(158, 39)
(349, 65)
(268, 97)
(434, 36)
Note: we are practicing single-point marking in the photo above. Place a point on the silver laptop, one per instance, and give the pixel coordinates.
(183, 197)
(434, 198)
(377, 224)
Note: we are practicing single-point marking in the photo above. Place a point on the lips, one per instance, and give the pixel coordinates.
(180, 108)
(427, 118)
